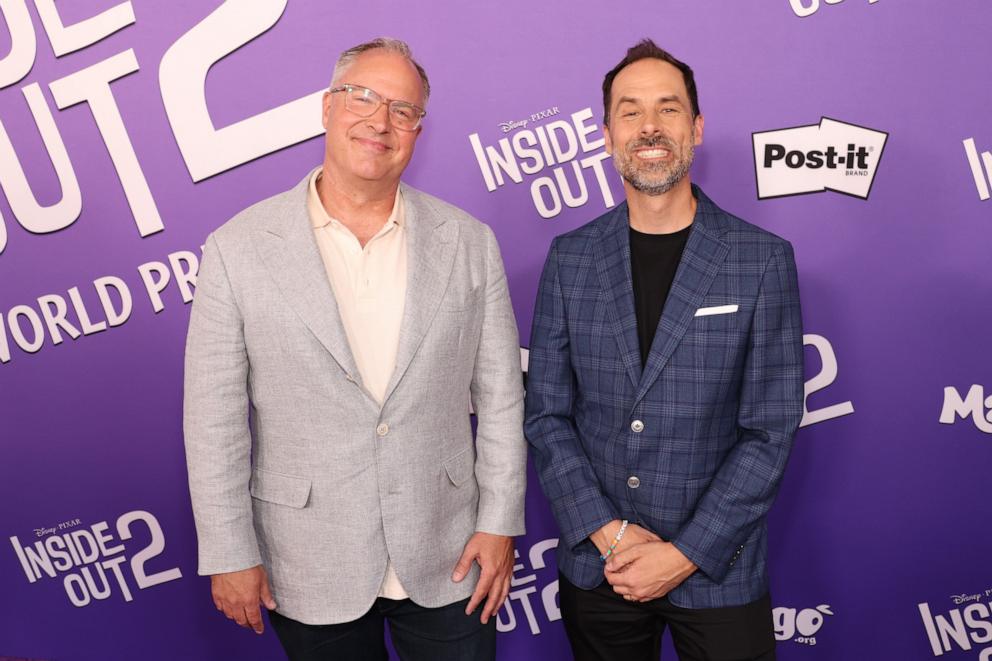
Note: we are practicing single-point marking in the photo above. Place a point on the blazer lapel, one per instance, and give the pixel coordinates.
(705, 251)
(432, 241)
(612, 255)
(289, 252)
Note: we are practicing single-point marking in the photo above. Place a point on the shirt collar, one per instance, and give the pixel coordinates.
(319, 217)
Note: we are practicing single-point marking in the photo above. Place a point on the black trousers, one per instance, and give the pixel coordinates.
(602, 626)
(418, 634)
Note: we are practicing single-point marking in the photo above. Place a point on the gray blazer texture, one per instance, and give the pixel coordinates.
(294, 465)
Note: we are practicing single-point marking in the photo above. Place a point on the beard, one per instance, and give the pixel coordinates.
(658, 177)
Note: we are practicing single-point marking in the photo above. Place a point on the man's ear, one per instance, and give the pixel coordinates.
(326, 108)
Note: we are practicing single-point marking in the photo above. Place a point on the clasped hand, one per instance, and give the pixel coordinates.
(643, 566)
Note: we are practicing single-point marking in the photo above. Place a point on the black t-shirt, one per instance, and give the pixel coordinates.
(654, 258)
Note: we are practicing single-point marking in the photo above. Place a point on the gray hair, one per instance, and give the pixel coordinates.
(347, 58)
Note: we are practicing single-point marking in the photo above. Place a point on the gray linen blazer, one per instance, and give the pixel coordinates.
(294, 465)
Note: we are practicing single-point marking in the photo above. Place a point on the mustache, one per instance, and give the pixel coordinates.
(653, 141)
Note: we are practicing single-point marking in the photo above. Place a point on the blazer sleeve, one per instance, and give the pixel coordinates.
(771, 406)
(563, 467)
(497, 398)
(215, 422)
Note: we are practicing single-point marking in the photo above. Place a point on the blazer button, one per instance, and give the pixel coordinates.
(637, 426)
(633, 482)
(382, 429)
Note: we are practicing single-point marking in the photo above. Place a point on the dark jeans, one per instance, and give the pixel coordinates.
(602, 626)
(418, 633)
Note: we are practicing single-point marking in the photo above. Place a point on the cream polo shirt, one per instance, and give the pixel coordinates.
(370, 287)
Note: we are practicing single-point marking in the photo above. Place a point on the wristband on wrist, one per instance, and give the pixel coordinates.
(616, 540)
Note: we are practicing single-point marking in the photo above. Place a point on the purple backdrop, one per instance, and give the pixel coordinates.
(880, 537)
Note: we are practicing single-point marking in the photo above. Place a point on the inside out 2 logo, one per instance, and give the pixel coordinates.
(831, 155)
(562, 160)
(93, 562)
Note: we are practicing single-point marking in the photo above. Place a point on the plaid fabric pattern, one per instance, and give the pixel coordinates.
(720, 398)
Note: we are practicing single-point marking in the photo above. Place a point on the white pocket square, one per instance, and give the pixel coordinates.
(718, 309)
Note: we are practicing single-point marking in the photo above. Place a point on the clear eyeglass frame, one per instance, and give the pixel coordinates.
(365, 102)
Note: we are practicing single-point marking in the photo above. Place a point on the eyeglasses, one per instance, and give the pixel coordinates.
(365, 102)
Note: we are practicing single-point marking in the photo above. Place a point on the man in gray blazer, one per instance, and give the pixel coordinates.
(340, 332)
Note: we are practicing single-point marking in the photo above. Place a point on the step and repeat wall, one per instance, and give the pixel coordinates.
(860, 130)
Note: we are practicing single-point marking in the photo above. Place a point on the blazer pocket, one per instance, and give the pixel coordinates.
(716, 309)
(460, 467)
(458, 301)
(692, 492)
(279, 488)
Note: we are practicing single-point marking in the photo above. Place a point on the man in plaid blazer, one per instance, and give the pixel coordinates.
(665, 386)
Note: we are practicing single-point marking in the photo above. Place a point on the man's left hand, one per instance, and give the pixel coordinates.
(494, 553)
(648, 571)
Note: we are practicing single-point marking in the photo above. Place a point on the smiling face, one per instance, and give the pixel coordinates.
(363, 150)
(652, 133)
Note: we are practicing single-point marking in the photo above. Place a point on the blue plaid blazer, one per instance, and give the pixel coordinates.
(705, 427)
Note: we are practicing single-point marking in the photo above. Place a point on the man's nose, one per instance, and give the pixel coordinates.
(649, 126)
(379, 120)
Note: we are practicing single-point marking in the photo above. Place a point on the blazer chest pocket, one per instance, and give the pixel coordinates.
(461, 299)
(460, 467)
(279, 488)
(710, 318)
